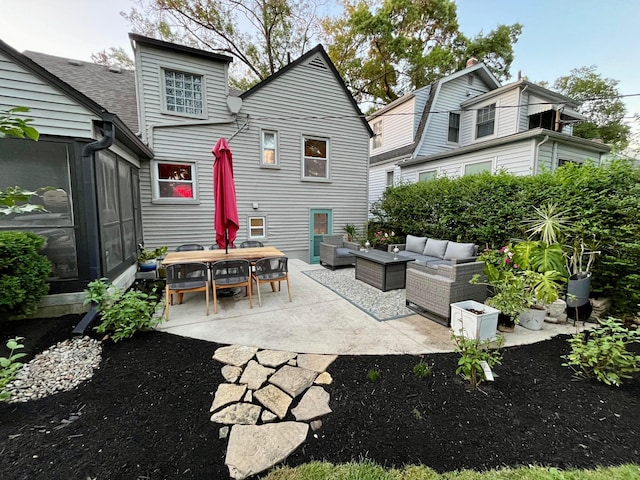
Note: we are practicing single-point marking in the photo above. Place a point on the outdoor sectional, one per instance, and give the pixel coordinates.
(440, 275)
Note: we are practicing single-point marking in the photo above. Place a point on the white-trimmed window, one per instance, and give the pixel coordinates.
(478, 167)
(390, 178)
(377, 134)
(485, 121)
(454, 128)
(269, 148)
(183, 93)
(316, 158)
(174, 181)
(257, 228)
(426, 176)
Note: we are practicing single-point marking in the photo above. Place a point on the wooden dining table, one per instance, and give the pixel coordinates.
(211, 256)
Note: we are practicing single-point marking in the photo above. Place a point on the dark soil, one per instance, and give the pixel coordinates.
(145, 414)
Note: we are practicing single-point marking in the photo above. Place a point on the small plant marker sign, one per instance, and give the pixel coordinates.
(488, 374)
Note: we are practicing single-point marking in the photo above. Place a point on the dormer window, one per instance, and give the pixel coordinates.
(485, 122)
(377, 134)
(454, 128)
(183, 93)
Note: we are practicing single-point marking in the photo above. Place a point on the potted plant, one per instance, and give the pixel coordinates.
(352, 232)
(147, 258)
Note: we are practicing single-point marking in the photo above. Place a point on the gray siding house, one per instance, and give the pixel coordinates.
(129, 153)
(466, 123)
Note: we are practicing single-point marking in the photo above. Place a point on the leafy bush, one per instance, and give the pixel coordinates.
(23, 272)
(473, 353)
(122, 313)
(601, 202)
(9, 366)
(421, 370)
(602, 353)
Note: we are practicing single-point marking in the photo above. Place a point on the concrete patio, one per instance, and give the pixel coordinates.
(318, 321)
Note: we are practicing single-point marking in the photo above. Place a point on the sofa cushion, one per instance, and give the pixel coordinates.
(459, 250)
(435, 248)
(406, 254)
(343, 252)
(427, 260)
(415, 244)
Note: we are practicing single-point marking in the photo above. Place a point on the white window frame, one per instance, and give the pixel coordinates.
(433, 171)
(327, 159)
(156, 180)
(163, 88)
(459, 116)
(251, 229)
(491, 168)
(377, 135)
(495, 121)
(263, 149)
(389, 174)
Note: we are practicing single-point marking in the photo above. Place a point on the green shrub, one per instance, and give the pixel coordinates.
(122, 313)
(421, 370)
(23, 272)
(9, 366)
(602, 353)
(473, 353)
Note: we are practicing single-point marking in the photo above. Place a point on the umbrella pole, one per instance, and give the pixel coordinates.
(226, 241)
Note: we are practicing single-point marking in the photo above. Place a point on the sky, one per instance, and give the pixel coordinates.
(558, 35)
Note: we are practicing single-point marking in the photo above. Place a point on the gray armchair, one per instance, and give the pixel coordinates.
(335, 252)
(431, 289)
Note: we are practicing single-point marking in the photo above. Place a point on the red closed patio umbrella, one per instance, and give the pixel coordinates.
(224, 193)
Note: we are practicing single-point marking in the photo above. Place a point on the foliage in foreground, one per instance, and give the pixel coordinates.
(122, 313)
(602, 353)
(23, 272)
(474, 354)
(9, 366)
(367, 470)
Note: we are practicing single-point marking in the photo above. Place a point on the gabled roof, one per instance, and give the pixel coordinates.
(531, 88)
(112, 88)
(318, 49)
(123, 131)
(181, 49)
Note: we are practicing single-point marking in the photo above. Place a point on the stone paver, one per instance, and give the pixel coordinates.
(231, 373)
(274, 399)
(293, 380)
(313, 404)
(255, 375)
(274, 358)
(237, 355)
(253, 449)
(324, 378)
(238, 414)
(227, 393)
(317, 363)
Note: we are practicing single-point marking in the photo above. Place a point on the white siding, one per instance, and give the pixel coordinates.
(290, 105)
(378, 181)
(54, 113)
(397, 127)
(507, 115)
(523, 124)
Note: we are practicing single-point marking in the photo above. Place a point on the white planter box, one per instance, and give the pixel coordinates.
(474, 326)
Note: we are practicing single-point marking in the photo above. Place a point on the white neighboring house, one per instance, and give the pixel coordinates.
(467, 123)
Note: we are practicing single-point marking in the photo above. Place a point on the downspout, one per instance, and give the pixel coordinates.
(536, 154)
(90, 211)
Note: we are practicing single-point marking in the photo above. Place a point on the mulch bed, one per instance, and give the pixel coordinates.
(145, 414)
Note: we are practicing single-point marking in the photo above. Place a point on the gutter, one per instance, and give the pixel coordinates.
(90, 208)
(536, 153)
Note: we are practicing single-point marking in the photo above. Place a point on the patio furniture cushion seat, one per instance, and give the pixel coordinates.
(335, 252)
(344, 252)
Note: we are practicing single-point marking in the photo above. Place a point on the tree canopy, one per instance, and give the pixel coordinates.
(601, 104)
(384, 49)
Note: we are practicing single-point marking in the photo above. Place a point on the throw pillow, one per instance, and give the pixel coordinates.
(415, 244)
(435, 248)
(459, 250)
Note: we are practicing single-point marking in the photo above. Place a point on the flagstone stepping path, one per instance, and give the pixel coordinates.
(271, 399)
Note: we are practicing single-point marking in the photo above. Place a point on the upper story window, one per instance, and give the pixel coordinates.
(454, 128)
(269, 148)
(377, 132)
(183, 93)
(316, 159)
(426, 176)
(485, 122)
(175, 181)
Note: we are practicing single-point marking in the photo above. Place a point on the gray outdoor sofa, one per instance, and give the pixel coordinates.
(440, 276)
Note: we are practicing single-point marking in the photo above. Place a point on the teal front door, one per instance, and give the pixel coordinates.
(319, 225)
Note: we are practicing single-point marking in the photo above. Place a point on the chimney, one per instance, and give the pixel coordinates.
(471, 62)
(519, 74)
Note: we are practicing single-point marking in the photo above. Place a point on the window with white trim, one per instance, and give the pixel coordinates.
(316, 158)
(269, 148)
(174, 180)
(426, 176)
(257, 228)
(454, 128)
(485, 121)
(390, 178)
(377, 134)
(478, 167)
(183, 93)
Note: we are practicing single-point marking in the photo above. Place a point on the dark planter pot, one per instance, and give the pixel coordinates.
(506, 323)
(578, 289)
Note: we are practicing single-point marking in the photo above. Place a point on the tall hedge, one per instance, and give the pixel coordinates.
(23, 273)
(602, 201)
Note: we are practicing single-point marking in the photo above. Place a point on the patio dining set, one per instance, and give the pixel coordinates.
(192, 268)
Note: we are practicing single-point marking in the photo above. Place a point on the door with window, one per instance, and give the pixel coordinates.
(319, 225)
